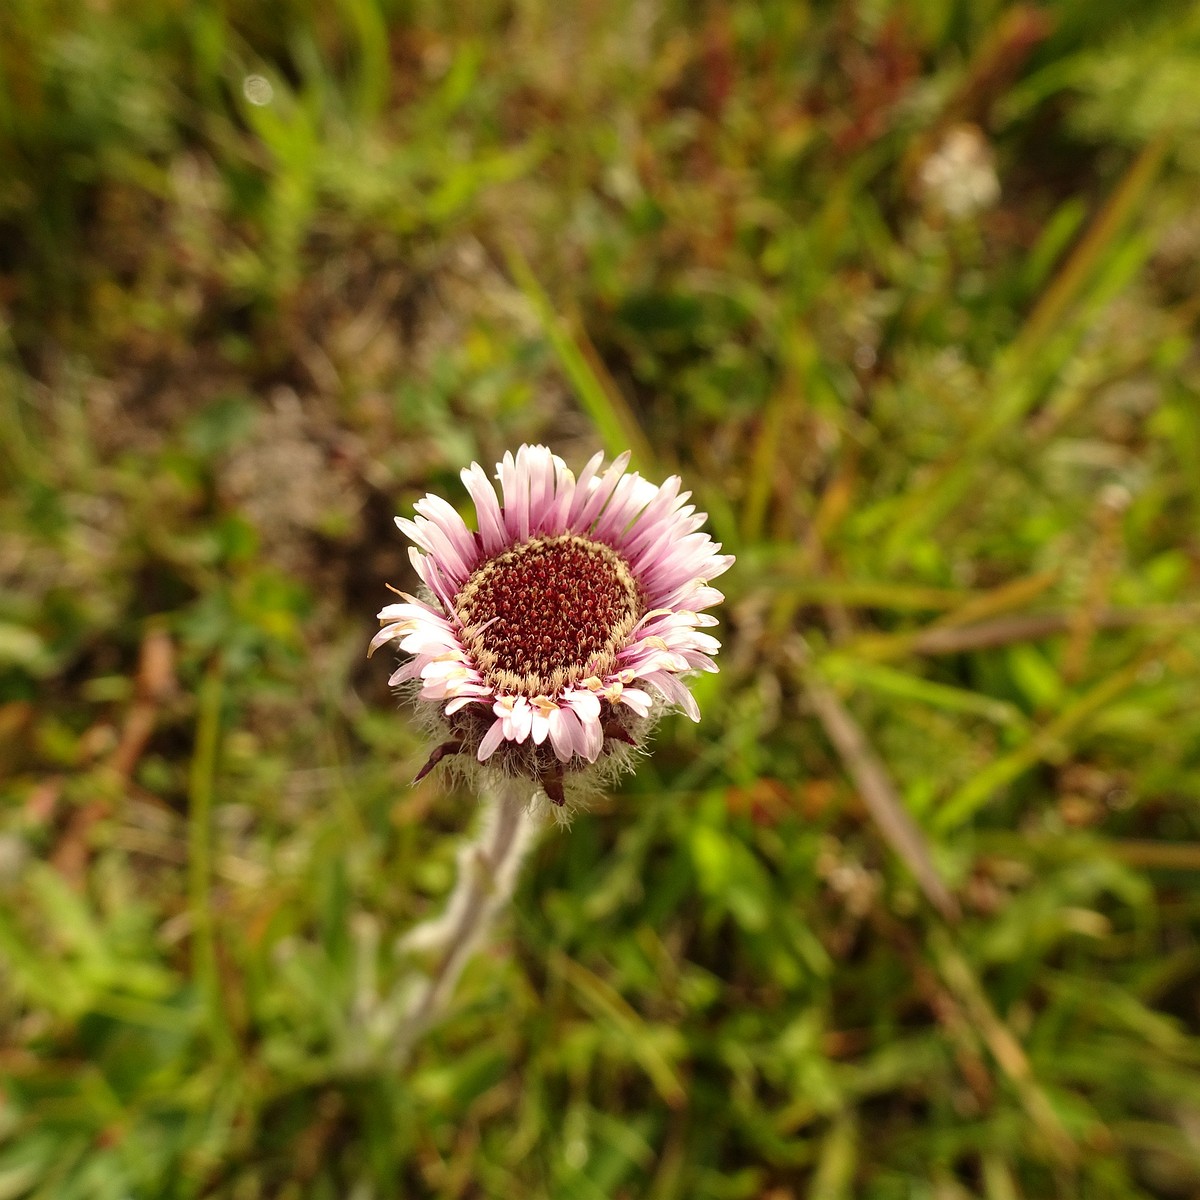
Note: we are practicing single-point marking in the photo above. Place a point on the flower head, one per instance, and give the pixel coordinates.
(551, 638)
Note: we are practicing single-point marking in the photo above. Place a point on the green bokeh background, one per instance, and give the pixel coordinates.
(907, 291)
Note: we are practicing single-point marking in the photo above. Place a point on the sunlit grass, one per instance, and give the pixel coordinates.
(913, 911)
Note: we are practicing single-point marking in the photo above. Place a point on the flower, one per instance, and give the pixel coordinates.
(959, 178)
(551, 638)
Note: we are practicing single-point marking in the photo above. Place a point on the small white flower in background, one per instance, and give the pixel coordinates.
(959, 177)
(550, 640)
(258, 90)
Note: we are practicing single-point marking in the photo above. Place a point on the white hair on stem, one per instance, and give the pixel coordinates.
(488, 869)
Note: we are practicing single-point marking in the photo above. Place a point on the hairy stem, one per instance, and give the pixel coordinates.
(488, 868)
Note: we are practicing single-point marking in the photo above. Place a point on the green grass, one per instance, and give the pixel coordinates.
(913, 912)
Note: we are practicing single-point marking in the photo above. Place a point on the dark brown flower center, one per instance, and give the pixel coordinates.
(548, 613)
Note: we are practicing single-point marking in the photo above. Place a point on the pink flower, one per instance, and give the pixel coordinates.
(552, 637)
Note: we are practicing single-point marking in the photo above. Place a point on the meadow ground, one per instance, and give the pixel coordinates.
(907, 291)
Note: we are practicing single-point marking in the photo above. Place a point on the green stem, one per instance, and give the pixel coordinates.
(201, 786)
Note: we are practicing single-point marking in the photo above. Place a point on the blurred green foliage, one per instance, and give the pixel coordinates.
(906, 290)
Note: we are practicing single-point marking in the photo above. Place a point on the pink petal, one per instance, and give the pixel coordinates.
(585, 704)
(386, 634)
(601, 492)
(428, 641)
(570, 508)
(690, 639)
(487, 508)
(651, 620)
(521, 507)
(647, 656)
(693, 595)
(491, 740)
(521, 721)
(564, 726)
(410, 670)
(593, 739)
(410, 612)
(506, 475)
(444, 516)
(661, 509)
(693, 556)
(674, 691)
(629, 497)
(540, 468)
(434, 541)
(638, 700)
(648, 551)
(555, 517)
(658, 518)
(427, 570)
